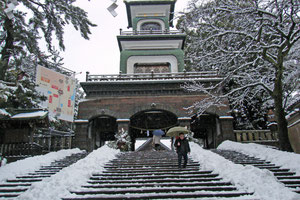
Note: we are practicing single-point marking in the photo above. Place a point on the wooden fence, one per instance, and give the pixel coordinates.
(54, 143)
(45, 141)
(20, 149)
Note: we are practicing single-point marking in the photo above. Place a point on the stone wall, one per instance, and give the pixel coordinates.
(125, 107)
(294, 131)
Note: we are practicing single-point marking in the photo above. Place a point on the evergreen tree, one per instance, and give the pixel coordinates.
(34, 20)
(20, 52)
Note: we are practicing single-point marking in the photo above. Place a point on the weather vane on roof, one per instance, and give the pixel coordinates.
(112, 8)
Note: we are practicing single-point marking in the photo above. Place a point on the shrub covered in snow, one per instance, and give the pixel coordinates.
(122, 141)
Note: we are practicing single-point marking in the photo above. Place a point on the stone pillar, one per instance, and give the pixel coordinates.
(81, 134)
(226, 125)
(185, 122)
(123, 125)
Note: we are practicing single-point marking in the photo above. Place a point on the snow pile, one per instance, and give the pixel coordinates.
(70, 178)
(28, 165)
(30, 115)
(284, 159)
(4, 112)
(251, 179)
(3, 162)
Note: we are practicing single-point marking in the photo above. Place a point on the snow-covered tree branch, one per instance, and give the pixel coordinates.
(253, 44)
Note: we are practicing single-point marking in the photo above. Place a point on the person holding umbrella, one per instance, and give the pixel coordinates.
(156, 138)
(181, 144)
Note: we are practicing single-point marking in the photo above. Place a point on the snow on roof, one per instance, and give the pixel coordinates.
(3, 112)
(225, 117)
(81, 121)
(30, 115)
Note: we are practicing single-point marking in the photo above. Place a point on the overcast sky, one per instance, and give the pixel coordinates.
(100, 54)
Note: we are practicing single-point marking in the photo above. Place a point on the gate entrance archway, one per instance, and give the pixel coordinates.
(102, 128)
(205, 128)
(143, 123)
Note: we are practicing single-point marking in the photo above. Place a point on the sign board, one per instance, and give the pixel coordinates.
(60, 90)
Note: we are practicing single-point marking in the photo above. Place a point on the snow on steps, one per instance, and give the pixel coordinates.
(155, 175)
(14, 187)
(283, 175)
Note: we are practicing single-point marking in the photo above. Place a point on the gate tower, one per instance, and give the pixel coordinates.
(147, 93)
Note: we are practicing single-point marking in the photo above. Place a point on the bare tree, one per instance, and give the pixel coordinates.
(253, 43)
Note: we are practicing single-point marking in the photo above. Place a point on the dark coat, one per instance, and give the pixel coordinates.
(184, 146)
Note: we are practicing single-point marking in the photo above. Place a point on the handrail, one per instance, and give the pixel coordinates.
(152, 76)
(151, 32)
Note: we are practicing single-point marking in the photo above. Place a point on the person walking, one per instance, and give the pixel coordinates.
(183, 148)
(156, 141)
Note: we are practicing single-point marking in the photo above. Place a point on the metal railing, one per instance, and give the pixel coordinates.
(152, 76)
(151, 32)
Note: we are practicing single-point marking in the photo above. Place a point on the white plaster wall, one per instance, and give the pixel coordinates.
(151, 59)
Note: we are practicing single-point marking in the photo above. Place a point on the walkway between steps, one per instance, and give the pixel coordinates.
(288, 178)
(14, 187)
(155, 175)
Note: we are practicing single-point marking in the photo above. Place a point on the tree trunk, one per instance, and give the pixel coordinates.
(8, 47)
(283, 136)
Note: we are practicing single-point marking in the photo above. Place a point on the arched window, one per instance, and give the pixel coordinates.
(151, 26)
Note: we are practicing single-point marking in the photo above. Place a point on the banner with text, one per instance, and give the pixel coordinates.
(60, 90)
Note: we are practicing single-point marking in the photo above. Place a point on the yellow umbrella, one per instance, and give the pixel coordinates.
(172, 132)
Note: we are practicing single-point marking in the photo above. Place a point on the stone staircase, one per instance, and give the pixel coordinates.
(14, 187)
(155, 175)
(283, 175)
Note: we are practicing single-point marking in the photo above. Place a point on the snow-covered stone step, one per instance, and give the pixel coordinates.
(169, 184)
(10, 195)
(283, 175)
(289, 182)
(24, 180)
(51, 167)
(153, 173)
(289, 178)
(43, 172)
(156, 180)
(177, 195)
(149, 167)
(136, 170)
(297, 191)
(90, 191)
(33, 176)
(265, 166)
(10, 190)
(293, 185)
(152, 176)
(14, 187)
(148, 163)
(148, 175)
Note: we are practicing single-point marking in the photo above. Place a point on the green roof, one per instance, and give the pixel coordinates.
(149, 2)
(129, 1)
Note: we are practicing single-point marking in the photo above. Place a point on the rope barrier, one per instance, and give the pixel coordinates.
(143, 129)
